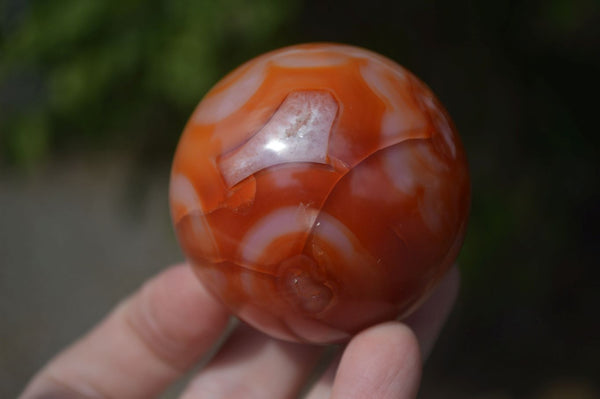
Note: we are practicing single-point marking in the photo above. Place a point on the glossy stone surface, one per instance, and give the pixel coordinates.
(320, 189)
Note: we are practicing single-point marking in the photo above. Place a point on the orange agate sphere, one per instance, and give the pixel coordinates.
(320, 189)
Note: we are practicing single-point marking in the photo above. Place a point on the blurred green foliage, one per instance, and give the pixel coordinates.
(87, 73)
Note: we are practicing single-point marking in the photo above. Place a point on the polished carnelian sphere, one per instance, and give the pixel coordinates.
(320, 189)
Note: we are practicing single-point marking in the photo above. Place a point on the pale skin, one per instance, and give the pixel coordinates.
(162, 330)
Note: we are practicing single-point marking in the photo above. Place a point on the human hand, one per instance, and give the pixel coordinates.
(160, 332)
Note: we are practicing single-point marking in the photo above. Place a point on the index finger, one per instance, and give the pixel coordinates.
(142, 346)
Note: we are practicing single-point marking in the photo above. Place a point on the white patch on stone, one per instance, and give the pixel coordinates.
(221, 104)
(371, 57)
(398, 165)
(336, 234)
(415, 168)
(281, 222)
(398, 117)
(309, 58)
(297, 132)
(183, 193)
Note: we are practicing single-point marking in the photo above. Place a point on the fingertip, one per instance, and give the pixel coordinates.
(393, 339)
(177, 316)
(383, 361)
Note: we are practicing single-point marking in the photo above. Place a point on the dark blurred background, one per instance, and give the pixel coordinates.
(94, 94)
